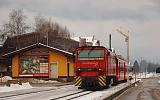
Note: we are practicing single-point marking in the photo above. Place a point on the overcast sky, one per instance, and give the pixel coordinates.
(101, 18)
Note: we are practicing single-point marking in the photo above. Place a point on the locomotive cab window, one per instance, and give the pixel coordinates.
(91, 55)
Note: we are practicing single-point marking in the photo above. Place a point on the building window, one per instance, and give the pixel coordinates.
(33, 64)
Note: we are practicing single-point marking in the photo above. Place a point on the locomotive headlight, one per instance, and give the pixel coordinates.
(100, 69)
(78, 69)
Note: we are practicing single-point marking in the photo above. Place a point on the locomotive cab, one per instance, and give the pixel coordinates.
(91, 67)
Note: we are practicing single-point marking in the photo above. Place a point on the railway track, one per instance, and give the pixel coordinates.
(27, 93)
(68, 96)
(73, 95)
(64, 93)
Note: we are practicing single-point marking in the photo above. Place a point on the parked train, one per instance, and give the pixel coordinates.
(98, 67)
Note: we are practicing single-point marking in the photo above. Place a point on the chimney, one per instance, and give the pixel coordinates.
(110, 42)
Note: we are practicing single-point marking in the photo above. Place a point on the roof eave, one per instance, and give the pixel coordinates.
(27, 47)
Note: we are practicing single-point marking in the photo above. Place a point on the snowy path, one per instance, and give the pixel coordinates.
(149, 89)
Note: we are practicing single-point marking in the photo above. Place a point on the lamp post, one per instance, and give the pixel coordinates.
(145, 71)
(1, 76)
(135, 72)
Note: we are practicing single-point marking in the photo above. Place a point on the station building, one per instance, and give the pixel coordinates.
(40, 60)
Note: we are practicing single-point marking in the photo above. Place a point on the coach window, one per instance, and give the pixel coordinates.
(121, 67)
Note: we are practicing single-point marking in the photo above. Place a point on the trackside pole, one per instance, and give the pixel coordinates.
(1, 77)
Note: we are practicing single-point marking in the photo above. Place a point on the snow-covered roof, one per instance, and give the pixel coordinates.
(1, 45)
(88, 39)
(56, 49)
(75, 38)
(95, 42)
(40, 44)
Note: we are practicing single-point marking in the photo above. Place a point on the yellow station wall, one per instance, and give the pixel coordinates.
(15, 66)
(72, 65)
(54, 57)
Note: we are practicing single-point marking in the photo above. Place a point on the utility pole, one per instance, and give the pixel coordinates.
(47, 38)
(126, 35)
(1, 77)
(135, 73)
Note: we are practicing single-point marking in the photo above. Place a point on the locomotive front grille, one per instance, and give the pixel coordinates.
(89, 81)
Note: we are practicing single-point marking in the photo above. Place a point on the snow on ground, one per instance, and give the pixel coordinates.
(44, 81)
(143, 75)
(15, 87)
(140, 76)
(100, 95)
(5, 78)
(159, 81)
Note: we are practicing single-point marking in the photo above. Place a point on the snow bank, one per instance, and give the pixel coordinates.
(135, 85)
(6, 78)
(100, 95)
(159, 81)
(15, 87)
(43, 81)
(143, 75)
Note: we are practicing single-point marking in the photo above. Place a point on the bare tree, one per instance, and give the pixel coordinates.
(45, 26)
(64, 32)
(16, 24)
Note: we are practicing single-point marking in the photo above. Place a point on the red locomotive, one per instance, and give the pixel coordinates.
(97, 66)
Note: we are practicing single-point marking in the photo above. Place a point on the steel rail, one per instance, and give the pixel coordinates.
(26, 93)
(72, 94)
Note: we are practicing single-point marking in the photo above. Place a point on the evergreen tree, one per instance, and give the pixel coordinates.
(143, 65)
(136, 67)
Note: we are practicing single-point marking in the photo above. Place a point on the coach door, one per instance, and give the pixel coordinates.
(53, 71)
